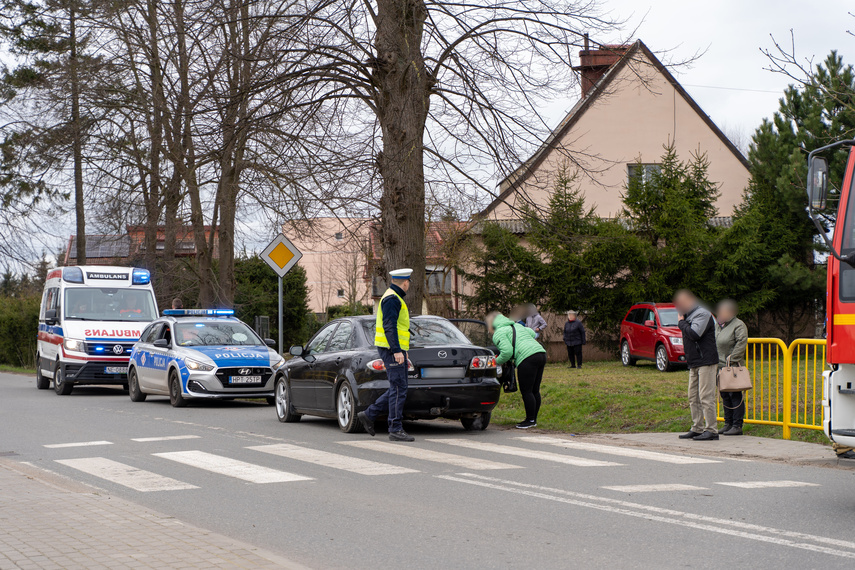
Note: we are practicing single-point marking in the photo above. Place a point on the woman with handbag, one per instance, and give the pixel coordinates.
(517, 345)
(731, 339)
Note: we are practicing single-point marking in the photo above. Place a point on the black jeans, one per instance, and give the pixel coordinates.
(733, 404)
(574, 355)
(529, 376)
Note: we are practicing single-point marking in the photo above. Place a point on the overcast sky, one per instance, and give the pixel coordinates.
(730, 81)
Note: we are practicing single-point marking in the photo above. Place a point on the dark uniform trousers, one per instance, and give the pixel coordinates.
(392, 400)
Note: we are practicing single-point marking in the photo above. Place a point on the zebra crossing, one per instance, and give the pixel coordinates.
(301, 463)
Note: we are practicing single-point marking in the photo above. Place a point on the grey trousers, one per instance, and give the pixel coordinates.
(702, 393)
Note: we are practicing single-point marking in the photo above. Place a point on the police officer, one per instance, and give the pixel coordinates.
(392, 338)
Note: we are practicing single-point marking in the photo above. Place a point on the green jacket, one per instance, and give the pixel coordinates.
(503, 336)
(731, 340)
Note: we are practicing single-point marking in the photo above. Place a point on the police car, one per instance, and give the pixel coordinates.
(202, 353)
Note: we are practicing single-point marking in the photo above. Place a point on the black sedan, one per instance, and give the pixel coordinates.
(339, 373)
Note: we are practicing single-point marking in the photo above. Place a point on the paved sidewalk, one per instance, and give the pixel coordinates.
(743, 446)
(48, 521)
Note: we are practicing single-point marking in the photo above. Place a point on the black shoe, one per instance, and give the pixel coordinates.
(689, 435)
(579, 367)
(366, 423)
(706, 436)
(733, 431)
(572, 367)
(725, 428)
(525, 424)
(846, 455)
(400, 436)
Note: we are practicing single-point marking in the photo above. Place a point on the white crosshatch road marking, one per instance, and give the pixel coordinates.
(528, 453)
(332, 460)
(654, 488)
(125, 475)
(768, 484)
(462, 461)
(78, 444)
(165, 438)
(231, 467)
(615, 450)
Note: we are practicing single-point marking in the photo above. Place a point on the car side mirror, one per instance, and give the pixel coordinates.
(270, 342)
(651, 324)
(50, 316)
(817, 186)
(296, 350)
(161, 343)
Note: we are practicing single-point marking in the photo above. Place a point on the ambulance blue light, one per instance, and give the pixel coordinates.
(198, 312)
(141, 277)
(72, 274)
(99, 349)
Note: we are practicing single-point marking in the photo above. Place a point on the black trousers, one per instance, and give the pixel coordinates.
(574, 355)
(733, 405)
(529, 376)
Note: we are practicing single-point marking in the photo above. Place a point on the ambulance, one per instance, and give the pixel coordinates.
(89, 320)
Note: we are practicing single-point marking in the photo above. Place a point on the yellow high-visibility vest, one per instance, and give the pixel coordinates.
(403, 324)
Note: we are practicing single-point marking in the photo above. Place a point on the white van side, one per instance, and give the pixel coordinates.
(89, 320)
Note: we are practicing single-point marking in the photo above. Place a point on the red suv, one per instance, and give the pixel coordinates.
(649, 332)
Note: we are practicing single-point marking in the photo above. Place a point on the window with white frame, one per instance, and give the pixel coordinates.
(645, 171)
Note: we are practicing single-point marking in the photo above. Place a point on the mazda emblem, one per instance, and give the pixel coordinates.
(442, 354)
(118, 349)
(245, 371)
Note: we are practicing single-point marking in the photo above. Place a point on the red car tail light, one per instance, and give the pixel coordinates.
(482, 363)
(378, 365)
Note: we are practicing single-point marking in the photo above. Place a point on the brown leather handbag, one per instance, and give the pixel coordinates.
(734, 378)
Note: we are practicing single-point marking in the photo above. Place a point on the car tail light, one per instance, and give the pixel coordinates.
(379, 366)
(482, 363)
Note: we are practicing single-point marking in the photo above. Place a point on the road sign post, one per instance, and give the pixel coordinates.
(281, 255)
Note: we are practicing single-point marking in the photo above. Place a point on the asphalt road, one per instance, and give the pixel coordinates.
(456, 500)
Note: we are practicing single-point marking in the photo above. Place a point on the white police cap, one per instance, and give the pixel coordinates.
(401, 273)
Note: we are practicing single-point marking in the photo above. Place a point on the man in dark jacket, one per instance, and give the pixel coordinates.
(574, 338)
(698, 328)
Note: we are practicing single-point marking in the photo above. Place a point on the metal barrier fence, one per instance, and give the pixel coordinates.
(787, 383)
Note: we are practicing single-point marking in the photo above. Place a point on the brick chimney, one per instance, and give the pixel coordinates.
(594, 63)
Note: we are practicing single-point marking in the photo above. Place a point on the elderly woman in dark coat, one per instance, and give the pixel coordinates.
(575, 339)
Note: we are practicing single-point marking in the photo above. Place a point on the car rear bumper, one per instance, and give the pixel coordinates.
(439, 400)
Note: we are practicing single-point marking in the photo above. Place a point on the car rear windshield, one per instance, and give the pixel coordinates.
(668, 317)
(215, 334)
(426, 332)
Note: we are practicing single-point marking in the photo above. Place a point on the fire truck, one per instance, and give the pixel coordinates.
(838, 403)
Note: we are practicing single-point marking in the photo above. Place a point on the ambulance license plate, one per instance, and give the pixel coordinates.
(115, 370)
(245, 379)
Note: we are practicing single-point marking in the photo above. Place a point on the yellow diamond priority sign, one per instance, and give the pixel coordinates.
(281, 255)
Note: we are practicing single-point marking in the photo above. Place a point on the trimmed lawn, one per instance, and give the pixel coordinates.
(606, 397)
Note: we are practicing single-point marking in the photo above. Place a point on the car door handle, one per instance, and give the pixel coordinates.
(338, 360)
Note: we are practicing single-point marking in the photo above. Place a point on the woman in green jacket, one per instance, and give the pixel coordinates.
(528, 356)
(731, 340)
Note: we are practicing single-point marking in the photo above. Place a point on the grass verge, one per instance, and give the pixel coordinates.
(606, 397)
(17, 369)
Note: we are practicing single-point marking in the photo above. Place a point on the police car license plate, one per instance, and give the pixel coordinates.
(115, 370)
(245, 379)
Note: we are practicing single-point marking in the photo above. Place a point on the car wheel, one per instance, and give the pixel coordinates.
(478, 423)
(283, 402)
(625, 356)
(42, 382)
(60, 386)
(662, 363)
(345, 409)
(176, 398)
(134, 386)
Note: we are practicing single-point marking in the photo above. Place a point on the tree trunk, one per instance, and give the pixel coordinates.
(156, 130)
(76, 138)
(403, 87)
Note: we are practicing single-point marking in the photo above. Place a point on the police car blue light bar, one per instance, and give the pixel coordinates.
(199, 312)
(141, 277)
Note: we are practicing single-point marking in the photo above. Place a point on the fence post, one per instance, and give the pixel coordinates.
(788, 390)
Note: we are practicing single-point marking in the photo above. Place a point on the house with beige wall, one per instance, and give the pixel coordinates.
(631, 107)
(335, 260)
